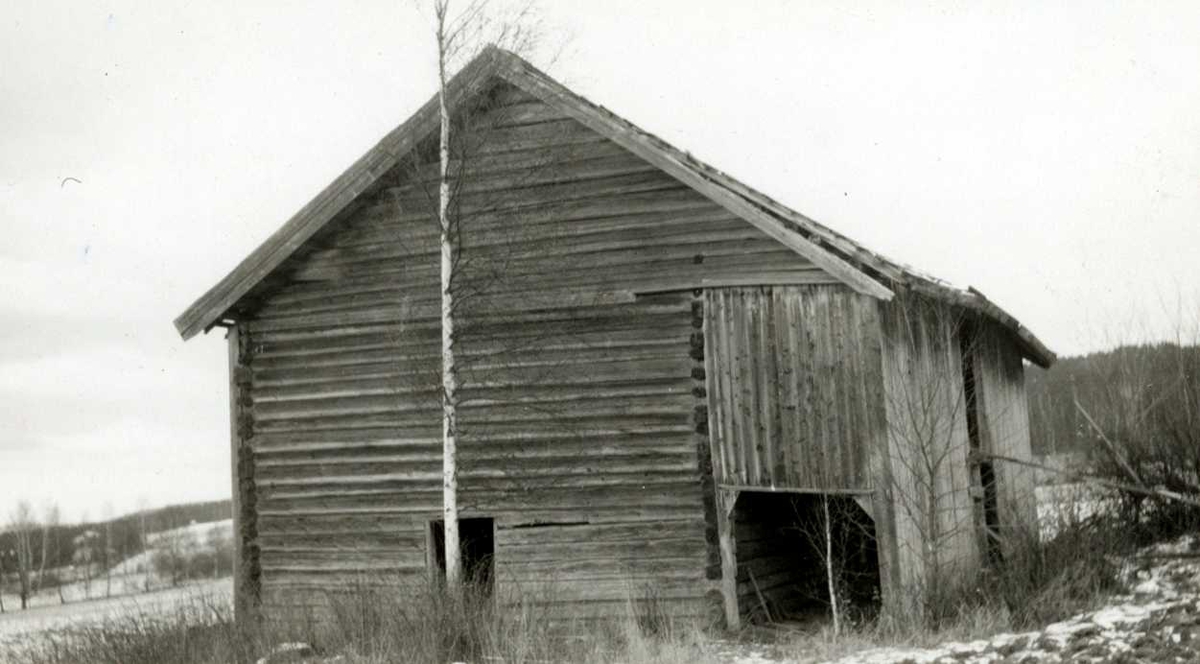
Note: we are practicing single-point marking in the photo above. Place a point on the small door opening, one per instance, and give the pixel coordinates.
(477, 541)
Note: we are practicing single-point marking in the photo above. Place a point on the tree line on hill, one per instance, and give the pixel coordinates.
(1152, 388)
(1133, 415)
(39, 552)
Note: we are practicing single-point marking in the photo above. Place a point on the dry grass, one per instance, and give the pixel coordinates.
(379, 621)
(373, 624)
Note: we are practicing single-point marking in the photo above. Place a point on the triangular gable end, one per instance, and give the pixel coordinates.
(475, 77)
(557, 96)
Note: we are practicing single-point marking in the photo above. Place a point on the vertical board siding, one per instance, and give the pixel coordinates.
(928, 446)
(1004, 426)
(791, 375)
(577, 425)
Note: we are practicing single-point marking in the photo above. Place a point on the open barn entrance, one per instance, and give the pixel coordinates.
(784, 552)
(477, 540)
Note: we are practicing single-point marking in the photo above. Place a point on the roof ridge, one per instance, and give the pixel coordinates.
(862, 269)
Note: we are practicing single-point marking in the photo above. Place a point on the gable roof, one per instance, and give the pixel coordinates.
(864, 271)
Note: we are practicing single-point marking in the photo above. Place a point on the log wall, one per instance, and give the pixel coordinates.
(578, 422)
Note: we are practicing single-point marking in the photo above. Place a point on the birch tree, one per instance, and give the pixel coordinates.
(453, 547)
(143, 507)
(459, 36)
(50, 520)
(22, 524)
(107, 557)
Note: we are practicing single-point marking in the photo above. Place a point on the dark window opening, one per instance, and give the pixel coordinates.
(983, 472)
(966, 345)
(547, 524)
(477, 541)
(780, 545)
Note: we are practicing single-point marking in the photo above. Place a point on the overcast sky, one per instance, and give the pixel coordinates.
(1048, 154)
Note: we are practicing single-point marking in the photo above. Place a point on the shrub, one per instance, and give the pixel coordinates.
(1145, 424)
(1041, 582)
(1038, 581)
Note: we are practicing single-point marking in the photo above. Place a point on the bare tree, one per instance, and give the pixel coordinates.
(218, 543)
(830, 573)
(86, 554)
(459, 37)
(929, 479)
(172, 549)
(22, 524)
(3, 573)
(820, 537)
(449, 368)
(143, 507)
(107, 552)
(49, 523)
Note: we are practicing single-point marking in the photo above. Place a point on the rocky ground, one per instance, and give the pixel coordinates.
(1158, 622)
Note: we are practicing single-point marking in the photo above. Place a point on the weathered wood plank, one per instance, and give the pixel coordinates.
(798, 395)
(247, 570)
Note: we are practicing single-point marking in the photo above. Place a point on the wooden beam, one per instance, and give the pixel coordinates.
(246, 571)
(867, 505)
(802, 490)
(726, 501)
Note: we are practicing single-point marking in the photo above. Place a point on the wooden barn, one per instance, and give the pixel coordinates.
(664, 371)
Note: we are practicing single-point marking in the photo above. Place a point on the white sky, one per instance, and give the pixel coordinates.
(1046, 153)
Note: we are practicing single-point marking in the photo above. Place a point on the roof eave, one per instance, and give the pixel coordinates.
(218, 300)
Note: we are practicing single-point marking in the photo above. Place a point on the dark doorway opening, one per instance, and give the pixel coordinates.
(781, 557)
(477, 541)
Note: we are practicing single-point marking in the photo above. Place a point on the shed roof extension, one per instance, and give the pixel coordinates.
(859, 268)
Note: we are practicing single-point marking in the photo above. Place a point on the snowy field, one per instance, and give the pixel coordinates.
(1059, 504)
(134, 575)
(40, 620)
(130, 588)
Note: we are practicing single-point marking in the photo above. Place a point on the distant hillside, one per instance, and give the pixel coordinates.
(1146, 386)
(125, 530)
